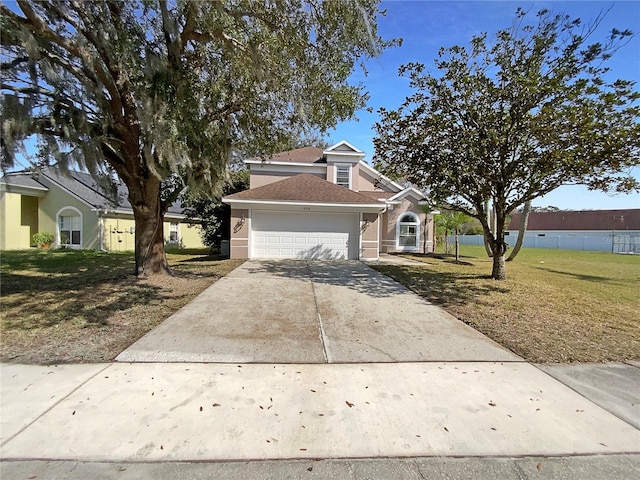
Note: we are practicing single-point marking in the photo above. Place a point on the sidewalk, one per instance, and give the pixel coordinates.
(215, 412)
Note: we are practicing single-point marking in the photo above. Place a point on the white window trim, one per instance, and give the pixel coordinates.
(58, 243)
(416, 222)
(177, 242)
(335, 173)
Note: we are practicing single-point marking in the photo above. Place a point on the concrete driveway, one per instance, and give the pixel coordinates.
(311, 312)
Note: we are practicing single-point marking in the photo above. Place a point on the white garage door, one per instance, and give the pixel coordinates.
(323, 236)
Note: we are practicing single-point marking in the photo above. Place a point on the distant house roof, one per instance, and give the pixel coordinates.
(80, 184)
(312, 154)
(298, 155)
(19, 179)
(304, 188)
(580, 220)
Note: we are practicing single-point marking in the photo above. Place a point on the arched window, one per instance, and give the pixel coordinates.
(69, 227)
(408, 232)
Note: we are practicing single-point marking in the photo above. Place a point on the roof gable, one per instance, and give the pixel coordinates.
(343, 147)
(408, 192)
(304, 188)
(580, 220)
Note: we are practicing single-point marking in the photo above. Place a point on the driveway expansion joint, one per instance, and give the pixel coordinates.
(323, 337)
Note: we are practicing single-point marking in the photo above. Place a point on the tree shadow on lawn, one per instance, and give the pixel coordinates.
(442, 288)
(86, 306)
(581, 276)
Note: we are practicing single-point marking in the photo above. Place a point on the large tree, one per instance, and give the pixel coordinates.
(161, 92)
(511, 119)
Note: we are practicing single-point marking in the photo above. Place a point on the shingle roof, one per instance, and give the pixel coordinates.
(303, 188)
(80, 184)
(299, 155)
(22, 180)
(377, 195)
(580, 220)
(85, 187)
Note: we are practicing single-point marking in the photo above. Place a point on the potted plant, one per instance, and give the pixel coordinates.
(43, 239)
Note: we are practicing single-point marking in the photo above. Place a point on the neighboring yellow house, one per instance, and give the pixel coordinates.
(78, 212)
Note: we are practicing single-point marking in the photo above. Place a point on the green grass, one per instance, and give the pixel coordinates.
(87, 306)
(555, 306)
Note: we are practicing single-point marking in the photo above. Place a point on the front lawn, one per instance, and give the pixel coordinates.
(86, 306)
(555, 306)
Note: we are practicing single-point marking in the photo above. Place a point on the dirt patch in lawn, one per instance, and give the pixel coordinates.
(86, 307)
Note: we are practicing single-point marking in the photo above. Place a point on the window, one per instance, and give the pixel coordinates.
(408, 233)
(343, 175)
(70, 230)
(173, 233)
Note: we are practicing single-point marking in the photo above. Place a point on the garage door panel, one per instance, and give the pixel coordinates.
(322, 236)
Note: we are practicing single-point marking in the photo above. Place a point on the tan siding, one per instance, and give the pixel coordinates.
(355, 178)
(389, 229)
(258, 179)
(365, 184)
(331, 173)
(370, 246)
(239, 245)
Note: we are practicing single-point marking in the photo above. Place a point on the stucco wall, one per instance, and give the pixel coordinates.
(56, 201)
(259, 178)
(389, 228)
(239, 246)
(18, 220)
(369, 242)
(119, 234)
(366, 182)
(190, 235)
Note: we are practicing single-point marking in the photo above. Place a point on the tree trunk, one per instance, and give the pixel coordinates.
(447, 244)
(494, 236)
(499, 248)
(148, 211)
(487, 240)
(523, 228)
(498, 272)
(457, 247)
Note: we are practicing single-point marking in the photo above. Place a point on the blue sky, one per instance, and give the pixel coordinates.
(425, 26)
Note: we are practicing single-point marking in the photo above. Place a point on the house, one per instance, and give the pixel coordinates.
(609, 230)
(325, 204)
(78, 212)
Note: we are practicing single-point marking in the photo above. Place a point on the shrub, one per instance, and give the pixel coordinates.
(43, 239)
